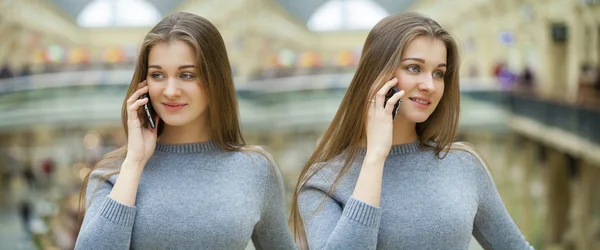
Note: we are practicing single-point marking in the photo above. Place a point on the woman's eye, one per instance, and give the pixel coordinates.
(438, 74)
(413, 68)
(186, 76)
(156, 76)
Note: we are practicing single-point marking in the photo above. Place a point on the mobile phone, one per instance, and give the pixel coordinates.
(389, 95)
(149, 110)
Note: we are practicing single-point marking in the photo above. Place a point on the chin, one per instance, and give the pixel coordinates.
(417, 118)
(174, 122)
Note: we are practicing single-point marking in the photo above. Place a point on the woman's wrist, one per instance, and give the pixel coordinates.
(374, 159)
(376, 155)
(131, 165)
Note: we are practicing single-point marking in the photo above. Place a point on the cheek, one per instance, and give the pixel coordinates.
(440, 93)
(405, 83)
(154, 91)
(200, 95)
(405, 80)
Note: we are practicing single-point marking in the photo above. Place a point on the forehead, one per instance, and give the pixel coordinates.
(432, 50)
(171, 53)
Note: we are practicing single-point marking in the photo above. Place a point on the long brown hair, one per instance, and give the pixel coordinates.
(216, 75)
(381, 56)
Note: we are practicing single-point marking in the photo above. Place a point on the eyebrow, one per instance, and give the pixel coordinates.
(422, 61)
(180, 67)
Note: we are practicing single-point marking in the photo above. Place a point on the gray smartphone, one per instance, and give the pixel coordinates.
(149, 110)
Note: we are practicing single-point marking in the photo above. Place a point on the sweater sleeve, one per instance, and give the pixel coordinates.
(330, 225)
(493, 227)
(107, 223)
(272, 231)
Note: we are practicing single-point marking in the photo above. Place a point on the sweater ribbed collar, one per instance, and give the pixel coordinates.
(399, 149)
(187, 148)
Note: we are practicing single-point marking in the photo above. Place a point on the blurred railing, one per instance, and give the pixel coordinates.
(91, 95)
(576, 119)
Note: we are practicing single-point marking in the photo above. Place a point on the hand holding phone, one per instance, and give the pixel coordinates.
(379, 126)
(141, 139)
(389, 95)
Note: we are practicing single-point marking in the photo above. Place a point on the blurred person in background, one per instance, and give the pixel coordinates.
(527, 78)
(25, 213)
(506, 78)
(191, 182)
(378, 182)
(5, 71)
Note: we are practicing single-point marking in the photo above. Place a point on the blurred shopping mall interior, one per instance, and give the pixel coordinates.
(530, 97)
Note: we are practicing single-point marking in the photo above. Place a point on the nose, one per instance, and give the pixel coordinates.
(426, 84)
(172, 89)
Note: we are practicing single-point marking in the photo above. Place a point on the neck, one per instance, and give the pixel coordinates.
(404, 131)
(189, 133)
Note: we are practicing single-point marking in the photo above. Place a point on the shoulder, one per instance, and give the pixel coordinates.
(325, 173)
(464, 154)
(257, 160)
(330, 169)
(108, 167)
(104, 175)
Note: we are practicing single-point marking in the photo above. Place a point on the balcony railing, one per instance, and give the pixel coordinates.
(576, 119)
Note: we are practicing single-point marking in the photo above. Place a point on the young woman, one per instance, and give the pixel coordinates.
(375, 182)
(191, 183)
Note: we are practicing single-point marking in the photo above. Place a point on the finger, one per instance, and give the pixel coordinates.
(370, 113)
(136, 95)
(380, 96)
(371, 108)
(387, 86)
(133, 108)
(142, 84)
(389, 106)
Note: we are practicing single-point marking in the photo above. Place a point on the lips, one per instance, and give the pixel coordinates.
(420, 100)
(172, 104)
(173, 107)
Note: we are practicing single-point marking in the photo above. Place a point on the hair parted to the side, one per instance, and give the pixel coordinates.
(381, 56)
(215, 73)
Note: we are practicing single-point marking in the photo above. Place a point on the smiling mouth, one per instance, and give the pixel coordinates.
(419, 101)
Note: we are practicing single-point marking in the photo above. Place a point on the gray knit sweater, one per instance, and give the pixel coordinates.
(426, 203)
(192, 196)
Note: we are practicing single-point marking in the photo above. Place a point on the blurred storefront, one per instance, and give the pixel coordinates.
(530, 99)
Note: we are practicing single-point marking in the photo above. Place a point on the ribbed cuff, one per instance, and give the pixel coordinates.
(117, 212)
(362, 213)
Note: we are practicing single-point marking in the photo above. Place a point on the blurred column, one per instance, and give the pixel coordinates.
(585, 206)
(483, 39)
(251, 53)
(546, 53)
(10, 34)
(595, 44)
(557, 198)
(520, 161)
(591, 23)
(575, 46)
(527, 162)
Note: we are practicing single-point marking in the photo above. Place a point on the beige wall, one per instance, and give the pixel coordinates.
(253, 28)
(25, 24)
(478, 24)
